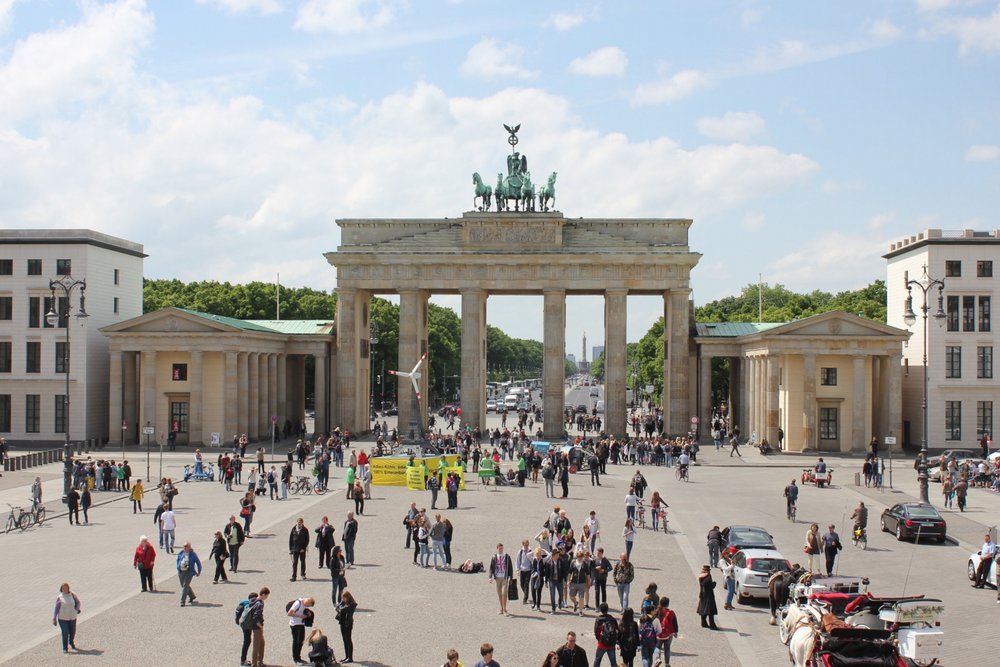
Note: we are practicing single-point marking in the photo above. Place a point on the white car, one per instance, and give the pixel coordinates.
(753, 567)
(600, 407)
(973, 565)
(594, 391)
(491, 405)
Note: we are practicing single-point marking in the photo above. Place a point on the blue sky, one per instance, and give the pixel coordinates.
(228, 135)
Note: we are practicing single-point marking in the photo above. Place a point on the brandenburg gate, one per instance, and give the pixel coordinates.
(528, 250)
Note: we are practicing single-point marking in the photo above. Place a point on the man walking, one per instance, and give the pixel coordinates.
(411, 516)
(607, 632)
(623, 575)
(571, 655)
(72, 505)
(298, 543)
(244, 618)
(831, 545)
(233, 532)
(791, 496)
(258, 627)
(188, 567)
(168, 526)
(522, 563)
(734, 440)
(349, 535)
(501, 571)
(324, 542)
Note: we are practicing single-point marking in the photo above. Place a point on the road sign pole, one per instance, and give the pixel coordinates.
(147, 430)
(274, 421)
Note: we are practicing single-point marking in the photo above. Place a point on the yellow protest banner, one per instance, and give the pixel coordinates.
(392, 471)
(414, 478)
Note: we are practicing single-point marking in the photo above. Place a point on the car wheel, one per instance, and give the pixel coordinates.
(884, 529)
(971, 571)
(941, 539)
(899, 532)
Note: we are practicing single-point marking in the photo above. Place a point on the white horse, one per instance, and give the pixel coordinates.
(794, 615)
(802, 645)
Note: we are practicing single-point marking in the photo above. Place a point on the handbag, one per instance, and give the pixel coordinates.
(245, 511)
(511, 589)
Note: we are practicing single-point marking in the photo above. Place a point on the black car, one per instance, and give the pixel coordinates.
(737, 537)
(913, 520)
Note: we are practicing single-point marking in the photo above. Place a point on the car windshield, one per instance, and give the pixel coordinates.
(924, 513)
(768, 564)
(749, 537)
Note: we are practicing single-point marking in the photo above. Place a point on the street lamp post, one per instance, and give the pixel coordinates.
(66, 284)
(925, 285)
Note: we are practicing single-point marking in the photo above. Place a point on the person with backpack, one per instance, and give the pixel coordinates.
(549, 477)
(299, 616)
(607, 632)
(668, 630)
(188, 567)
(244, 618)
(628, 637)
(272, 482)
(649, 628)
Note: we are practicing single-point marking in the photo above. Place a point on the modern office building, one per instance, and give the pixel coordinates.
(962, 388)
(32, 353)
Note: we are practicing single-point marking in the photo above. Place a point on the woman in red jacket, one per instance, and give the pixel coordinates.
(143, 560)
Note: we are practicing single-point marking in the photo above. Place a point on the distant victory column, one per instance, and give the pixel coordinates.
(584, 365)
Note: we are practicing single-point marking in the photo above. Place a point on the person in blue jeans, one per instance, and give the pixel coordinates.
(607, 631)
(65, 614)
(729, 577)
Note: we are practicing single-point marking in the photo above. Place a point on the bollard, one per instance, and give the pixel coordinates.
(857, 479)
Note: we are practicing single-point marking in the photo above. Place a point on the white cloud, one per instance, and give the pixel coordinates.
(563, 21)
(934, 5)
(835, 260)
(668, 90)
(6, 13)
(982, 153)
(345, 16)
(246, 6)
(491, 59)
(732, 126)
(880, 220)
(975, 34)
(608, 61)
(753, 222)
(883, 29)
(75, 63)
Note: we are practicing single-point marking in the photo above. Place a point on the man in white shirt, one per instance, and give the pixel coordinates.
(522, 564)
(168, 524)
(595, 529)
(297, 622)
(986, 554)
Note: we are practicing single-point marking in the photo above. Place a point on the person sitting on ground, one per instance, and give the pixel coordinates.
(320, 653)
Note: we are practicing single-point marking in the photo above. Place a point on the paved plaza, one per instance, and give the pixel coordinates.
(409, 617)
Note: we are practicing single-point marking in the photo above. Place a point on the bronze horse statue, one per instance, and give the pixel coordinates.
(483, 193)
(547, 195)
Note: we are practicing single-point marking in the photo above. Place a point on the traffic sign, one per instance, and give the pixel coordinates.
(694, 420)
(148, 430)
(890, 440)
(274, 419)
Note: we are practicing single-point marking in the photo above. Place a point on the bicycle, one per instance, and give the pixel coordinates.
(860, 538)
(682, 473)
(21, 520)
(791, 511)
(319, 489)
(663, 519)
(38, 514)
(640, 513)
(301, 485)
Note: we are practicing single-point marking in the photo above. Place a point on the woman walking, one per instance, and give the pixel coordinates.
(423, 535)
(66, 611)
(338, 574)
(345, 616)
(359, 498)
(449, 532)
(628, 637)
(136, 495)
(219, 555)
(948, 489)
(145, 556)
(707, 608)
(811, 548)
(247, 508)
(655, 504)
(628, 532)
(85, 502)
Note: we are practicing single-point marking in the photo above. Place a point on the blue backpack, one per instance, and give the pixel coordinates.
(647, 635)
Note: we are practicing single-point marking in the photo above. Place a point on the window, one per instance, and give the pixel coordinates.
(828, 423)
(32, 413)
(984, 362)
(828, 377)
(968, 313)
(984, 313)
(34, 312)
(4, 413)
(61, 358)
(953, 420)
(116, 276)
(6, 267)
(179, 373)
(60, 414)
(64, 267)
(953, 361)
(5, 356)
(952, 269)
(6, 307)
(984, 268)
(34, 267)
(115, 305)
(62, 310)
(178, 417)
(984, 418)
(952, 313)
(33, 357)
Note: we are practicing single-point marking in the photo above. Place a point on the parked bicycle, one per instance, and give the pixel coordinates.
(18, 518)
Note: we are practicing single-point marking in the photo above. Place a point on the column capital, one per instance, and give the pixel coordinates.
(471, 290)
(554, 291)
(616, 291)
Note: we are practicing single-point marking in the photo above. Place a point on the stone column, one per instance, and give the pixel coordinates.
(412, 344)
(281, 370)
(858, 403)
(772, 401)
(705, 395)
(760, 402)
(895, 395)
(676, 338)
(272, 392)
(320, 384)
(736, 396)
(195, 400)
(262, 414)
(474, 357)
(149, 387)
(115, 396)
(353, 361)
(810, 438)
(243, 393)
(253, 394)
(230, 397)
(554, 362)
(130, 382)
(615, 322)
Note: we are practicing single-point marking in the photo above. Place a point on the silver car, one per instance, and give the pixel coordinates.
(752, 569)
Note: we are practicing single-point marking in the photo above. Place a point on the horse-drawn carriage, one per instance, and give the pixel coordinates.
(836, 621)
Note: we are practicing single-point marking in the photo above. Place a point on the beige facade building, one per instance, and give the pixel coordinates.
(32, 359)
(207, 378)
(963, 388)
(830, 382)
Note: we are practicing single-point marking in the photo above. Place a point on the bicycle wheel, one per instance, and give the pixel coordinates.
(320, 490)
(677, 473)
(10, 524)
(40, 516)
(24, 521)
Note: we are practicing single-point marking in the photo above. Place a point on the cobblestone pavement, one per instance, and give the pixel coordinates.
(409, 617)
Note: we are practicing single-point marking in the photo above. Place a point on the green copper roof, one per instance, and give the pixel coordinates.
(734, 329)
(229, 321)
(287, 327)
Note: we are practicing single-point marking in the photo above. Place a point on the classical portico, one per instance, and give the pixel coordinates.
(510, 252)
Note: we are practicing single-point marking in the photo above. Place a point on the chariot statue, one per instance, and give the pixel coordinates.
(516, 187)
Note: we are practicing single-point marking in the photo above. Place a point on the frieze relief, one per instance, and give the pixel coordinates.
(504, 272)
(506, 236)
